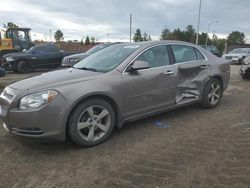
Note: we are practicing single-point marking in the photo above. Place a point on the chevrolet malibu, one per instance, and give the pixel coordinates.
(122, 83)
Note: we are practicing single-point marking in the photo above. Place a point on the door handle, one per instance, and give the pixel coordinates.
(169, 72)
(204, 66)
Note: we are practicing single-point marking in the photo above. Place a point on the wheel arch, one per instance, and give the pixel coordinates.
(218, 77)
(23, 59)
(105, 97)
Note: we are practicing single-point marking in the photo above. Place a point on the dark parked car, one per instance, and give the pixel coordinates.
(71, 60)
(245, 68)
(37, 57)
(213, 49)
(121, 83)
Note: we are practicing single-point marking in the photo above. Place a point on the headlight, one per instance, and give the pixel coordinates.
(74, 60)
(9, 59)
(236, 56)
(36, 100)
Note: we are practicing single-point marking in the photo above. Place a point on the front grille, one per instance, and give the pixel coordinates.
(228, 57)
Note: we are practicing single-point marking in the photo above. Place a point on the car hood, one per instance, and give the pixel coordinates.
(20, 54)
(234, 54)
(54, 79)
(80, 56)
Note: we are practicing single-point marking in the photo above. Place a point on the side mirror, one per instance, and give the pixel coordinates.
(139, 65)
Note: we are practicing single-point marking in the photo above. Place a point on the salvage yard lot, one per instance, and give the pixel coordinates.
(199, 148)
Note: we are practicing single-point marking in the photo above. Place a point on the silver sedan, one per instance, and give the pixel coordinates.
(118, 84)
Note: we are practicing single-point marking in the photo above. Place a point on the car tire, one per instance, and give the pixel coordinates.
(23, 67)
(92, 122)
(212, 93)
(14, 67)
(245, 76)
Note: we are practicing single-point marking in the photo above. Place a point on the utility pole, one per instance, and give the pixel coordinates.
(198, 25)
(130, 27)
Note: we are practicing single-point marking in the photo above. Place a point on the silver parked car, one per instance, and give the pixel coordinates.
(237, 55)
(245, 68)
(121, 83)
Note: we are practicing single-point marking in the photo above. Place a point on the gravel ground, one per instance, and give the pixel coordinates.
(200, 148)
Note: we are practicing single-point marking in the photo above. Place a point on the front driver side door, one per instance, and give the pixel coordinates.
(150, 89)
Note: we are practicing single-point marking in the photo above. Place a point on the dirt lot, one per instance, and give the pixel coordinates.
(201, 148)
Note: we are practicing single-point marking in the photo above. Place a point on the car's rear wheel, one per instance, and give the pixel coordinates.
(92, 122)
(212, 93)
(23, 67)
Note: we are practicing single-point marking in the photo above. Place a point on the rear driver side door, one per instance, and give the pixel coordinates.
(193, 70)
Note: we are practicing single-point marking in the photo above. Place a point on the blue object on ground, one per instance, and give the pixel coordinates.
(161, 124)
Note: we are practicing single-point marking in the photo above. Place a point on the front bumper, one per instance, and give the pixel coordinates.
(47, 122)
(7, 65)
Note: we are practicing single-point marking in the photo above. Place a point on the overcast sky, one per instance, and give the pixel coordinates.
(77, 19)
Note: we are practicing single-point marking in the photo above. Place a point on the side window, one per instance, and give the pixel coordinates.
(183, 53)
(199, 54)
(50, 49)
(156, 56)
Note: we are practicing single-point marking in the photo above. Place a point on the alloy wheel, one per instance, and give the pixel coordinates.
(214, 94)
(93, 123)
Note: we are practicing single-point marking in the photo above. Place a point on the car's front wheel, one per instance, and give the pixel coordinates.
(212, 93)
(23, 67)
(92, 122)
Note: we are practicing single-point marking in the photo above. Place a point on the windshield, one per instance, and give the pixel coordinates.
(238, 51)
(97, 48)
(107, 59)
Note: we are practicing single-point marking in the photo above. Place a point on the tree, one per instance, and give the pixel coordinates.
(87, 41)
(137, 36)
(92, 40)
(236, 37)
(7, 25)
(81, 42)
(203, 37)
(189, 34)
(185, 35)
(145, 37)
(58, 36)
(10, 24)
(165, 34)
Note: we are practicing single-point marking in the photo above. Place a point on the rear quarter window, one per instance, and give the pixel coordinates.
(199, 55)
(183, 53)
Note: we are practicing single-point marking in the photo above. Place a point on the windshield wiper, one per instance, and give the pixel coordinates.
(86, 68)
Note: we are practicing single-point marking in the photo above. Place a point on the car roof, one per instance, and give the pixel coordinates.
(151, 43)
